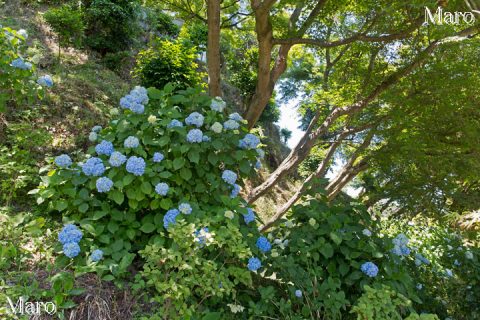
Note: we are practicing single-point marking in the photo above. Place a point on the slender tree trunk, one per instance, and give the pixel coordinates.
(345, 179)
(213, 48)
(319, 173)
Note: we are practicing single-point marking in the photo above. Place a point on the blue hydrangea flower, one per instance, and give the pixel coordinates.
(217, 104)
(20, 64)
(400, 248)
(250, 216)
(136, 165)
(400, 239)
(201, 236)
(419, 259)
(185, 208)
(105, 147)
(45, 81)
(63, 161)
(367, 232)
(70, 233)
(254, 264)
(135, 100)
(93, 167)
(261, 153)
(229, 177)
(370, 269)
(250, 141)
(71, 249)
(206, 139)
(298, 293)
(97, 129)
(140, 94)
(235, 117)
(161, 188)
(235, 191)
(158, 157)
(194, 119)
(96, 255)
(263, 244)
(175, 123)
(104, 184)
(92, 136)
(170, 217)
(195, 136)
(117, 159)
(231, 125)
(258, 165)
(131, 142)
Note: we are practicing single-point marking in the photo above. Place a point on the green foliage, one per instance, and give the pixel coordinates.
(271, 114)
(116, 60)
(18, 161)
(447, 250)
(110, 24)
(195, 35)
(17, 86)
(242, 67)
(326, 248)
(68, 23)
(178, 272)
(130, 216)
(383, 303)
(163, 24)
(167, 62)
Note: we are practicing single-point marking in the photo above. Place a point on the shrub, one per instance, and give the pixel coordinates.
(110, 24)
(383, 303)
(329, 253)
(153, 180)
(67, 22)
(195, 35)
(167, 62)
(17, 82)
(446, 267)
(164, 26)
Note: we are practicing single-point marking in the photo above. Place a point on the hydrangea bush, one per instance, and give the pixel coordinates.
(445, 264)
(148, 183)
(19, 82)
(329, 252)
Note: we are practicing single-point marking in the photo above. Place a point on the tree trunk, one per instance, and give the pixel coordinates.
(213, 48)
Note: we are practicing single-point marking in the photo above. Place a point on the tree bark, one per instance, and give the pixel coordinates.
(213, 47)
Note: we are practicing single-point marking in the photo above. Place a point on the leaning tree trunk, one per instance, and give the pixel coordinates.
(213, 48)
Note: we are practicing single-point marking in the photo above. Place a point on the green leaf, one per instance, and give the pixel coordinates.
(327, 250)
(128, 179)
(83, 207)
(335, 238)
(148, 227)
(99, 214)
(178, 163)
(212, 158)
(166, 204)
(146, 187)
(112, 227)
(116, 196)
(186, 174)
(131, 234)
(61, 205)
(194, 156)
(245, 166)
